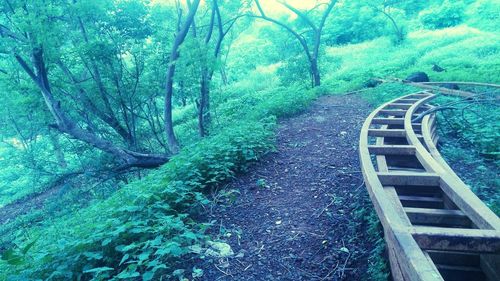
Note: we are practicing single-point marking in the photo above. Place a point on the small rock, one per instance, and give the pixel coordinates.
(418, 77)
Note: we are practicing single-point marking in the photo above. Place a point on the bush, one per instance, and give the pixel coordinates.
(447, 15)
(484, 14)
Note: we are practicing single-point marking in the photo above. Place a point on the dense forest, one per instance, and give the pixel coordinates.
(123, 123)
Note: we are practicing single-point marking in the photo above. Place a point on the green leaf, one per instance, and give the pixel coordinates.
(28, 247)
(128, 274)
(148, 275)
(12, 257)
(197, 272)
(93, 255)
(98, 269)
(124, 258)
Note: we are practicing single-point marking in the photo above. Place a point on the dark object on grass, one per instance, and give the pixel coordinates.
(372, 83)
(418, 77)
(437, 68)
(452, 86)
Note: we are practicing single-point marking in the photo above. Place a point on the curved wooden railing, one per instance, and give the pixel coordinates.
(435, 227)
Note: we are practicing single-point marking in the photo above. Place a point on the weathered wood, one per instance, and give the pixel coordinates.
(399, 121)
(438, 217)
(457, 239)
(404, 161)
(463, 83)
(408, 175)
(409, 178)
(387, 133)
(393, 112)
(461, 273)
(454, 258)
(421, 201)
(391, 149)
(454, 188)
(410, 259)
(400, 105)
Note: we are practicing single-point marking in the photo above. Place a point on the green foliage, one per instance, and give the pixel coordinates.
(144, 225)
(146, 228)
(355, 22)
(152, 228)
(483, 14)
(449, 14)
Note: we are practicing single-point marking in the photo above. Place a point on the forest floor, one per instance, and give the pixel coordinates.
(294, 217)
(26, 204)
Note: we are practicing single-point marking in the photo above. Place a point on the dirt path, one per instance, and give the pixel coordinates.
(294, 217)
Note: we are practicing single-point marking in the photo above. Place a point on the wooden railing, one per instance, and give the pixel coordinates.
(435, 227)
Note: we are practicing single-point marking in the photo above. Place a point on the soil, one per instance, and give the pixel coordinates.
(294, 217)
(26, 204)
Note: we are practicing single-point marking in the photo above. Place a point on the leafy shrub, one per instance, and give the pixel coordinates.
(447, 15)
(484, 14)
(146, 227)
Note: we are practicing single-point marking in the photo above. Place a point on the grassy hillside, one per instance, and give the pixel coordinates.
(149, 226)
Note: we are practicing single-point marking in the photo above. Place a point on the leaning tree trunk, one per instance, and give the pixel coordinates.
(66, 125)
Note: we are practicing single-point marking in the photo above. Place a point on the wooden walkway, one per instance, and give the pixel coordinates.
(435, 227)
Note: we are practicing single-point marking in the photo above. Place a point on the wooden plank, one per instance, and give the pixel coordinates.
(409, 162)
(454, 258)
(412, 138)
(400, 133)
(454, 188)
(468, 202)
(409, 178)
(410, 258)
(414, 263)
(391, 194)
(443, 217)
(420, 95)
(412, 100)
(457, 239)
(399, 121)
(393, 112)
(421, 201)
(391, 149)
(461, 273)
(400, 105)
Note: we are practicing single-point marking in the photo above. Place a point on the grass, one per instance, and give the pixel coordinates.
(468, 54)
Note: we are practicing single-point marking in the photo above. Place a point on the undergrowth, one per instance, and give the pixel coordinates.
(147, 228)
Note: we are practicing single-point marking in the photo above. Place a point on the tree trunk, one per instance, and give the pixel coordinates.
(316, 77)
(65, 125)
(58, 150)
(172, 142)
(204, 106)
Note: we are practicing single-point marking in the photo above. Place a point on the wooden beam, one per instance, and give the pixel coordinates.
(454, 258)
(400, 105)
(443, 217)
(409, 178)
(421, 201)
(399, 133)
(451, 273)
(393, 112)
(388, 121)
(457, 239)
(391, 149)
